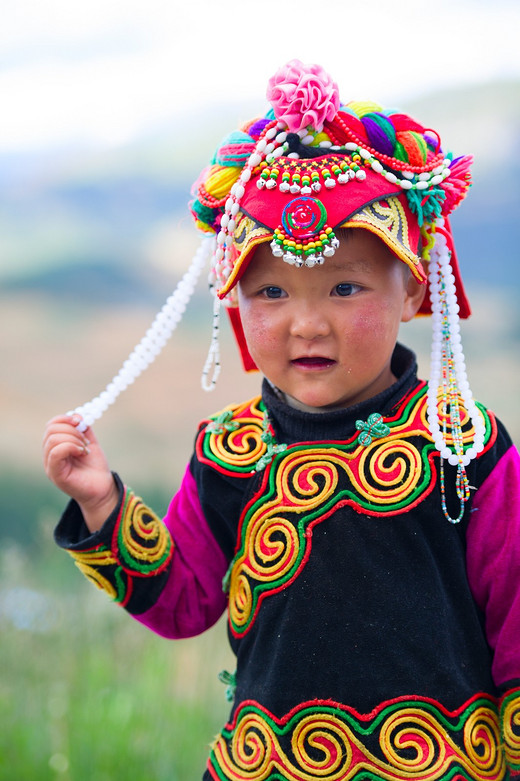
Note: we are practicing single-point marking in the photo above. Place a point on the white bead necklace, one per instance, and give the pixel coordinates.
(147, 350)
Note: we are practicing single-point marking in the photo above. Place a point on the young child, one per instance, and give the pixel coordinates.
(360, 525)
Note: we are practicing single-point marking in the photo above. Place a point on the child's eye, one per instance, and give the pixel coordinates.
(272, 291)
(346, 289)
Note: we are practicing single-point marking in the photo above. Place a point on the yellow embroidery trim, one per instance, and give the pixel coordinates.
(510, 713)
(400, 742)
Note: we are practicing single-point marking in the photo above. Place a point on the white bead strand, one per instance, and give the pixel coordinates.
(448, 375)
(213, 359)
(147, 350)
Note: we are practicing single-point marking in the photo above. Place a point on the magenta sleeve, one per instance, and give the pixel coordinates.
(493, 563)
(192, 599)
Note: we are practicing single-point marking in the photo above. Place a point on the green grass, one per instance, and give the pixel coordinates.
(87, 694)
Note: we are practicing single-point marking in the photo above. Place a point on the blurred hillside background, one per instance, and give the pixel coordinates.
(94, 234)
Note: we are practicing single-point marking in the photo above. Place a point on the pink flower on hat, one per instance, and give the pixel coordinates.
(303, 95)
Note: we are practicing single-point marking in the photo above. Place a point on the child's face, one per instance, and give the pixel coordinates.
(325, 335)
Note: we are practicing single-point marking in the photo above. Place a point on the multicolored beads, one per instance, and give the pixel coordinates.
(307, 176)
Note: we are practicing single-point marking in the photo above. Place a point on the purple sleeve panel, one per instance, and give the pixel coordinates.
(192, 599)
(493, 562)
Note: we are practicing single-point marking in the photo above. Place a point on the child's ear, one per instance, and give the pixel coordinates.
(414, 296)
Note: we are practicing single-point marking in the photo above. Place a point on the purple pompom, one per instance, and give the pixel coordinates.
(255, 131)
(380, 132)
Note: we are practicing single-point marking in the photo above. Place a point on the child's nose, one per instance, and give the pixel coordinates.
(309, 322)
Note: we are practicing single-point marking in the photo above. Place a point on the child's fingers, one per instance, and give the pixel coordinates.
(73, 420)
(63, 434)
(61, 442)
(61, 452)
(62, 426)
(60, 446)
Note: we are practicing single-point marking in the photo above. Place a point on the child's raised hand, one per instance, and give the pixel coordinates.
(76, 464)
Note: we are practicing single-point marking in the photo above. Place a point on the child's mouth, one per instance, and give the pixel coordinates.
(313, 362)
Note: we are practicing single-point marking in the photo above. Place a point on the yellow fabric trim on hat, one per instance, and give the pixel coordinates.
(387, 220)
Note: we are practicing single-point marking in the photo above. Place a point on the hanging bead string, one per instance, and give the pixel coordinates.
(152, 343)
(213, 359)
(448, 378)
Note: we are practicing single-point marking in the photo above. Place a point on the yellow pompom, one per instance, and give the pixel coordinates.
(319, 137)
(363, 107)
(221, 180)
(203, 226)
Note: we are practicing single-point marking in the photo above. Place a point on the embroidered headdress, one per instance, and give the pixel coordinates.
(312, 165)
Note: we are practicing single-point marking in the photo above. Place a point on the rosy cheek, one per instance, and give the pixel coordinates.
(369, 333)
(362, 322)
(259, 331)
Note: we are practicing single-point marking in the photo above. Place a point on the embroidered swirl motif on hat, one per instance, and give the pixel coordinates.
(304, 236)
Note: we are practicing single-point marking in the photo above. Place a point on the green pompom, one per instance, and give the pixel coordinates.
(204, 213)
(426, 204)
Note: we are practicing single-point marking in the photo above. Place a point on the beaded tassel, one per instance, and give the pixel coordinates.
(152, 343)
(213, 359)
(449, 394)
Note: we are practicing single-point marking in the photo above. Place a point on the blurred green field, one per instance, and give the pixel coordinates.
(87, 694)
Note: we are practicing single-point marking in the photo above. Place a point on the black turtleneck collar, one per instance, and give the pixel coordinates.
(293, 425)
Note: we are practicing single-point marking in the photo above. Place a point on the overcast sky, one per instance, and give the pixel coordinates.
(104, 71)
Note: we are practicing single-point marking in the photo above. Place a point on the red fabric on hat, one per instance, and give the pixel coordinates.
(238, 330)
(341, 201)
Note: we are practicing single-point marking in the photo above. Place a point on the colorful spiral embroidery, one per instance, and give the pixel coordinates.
(405, 740)
(92, 563)
(234, 451)
(141, 546)
(141, 539)
(510, 717)
(307, 482)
